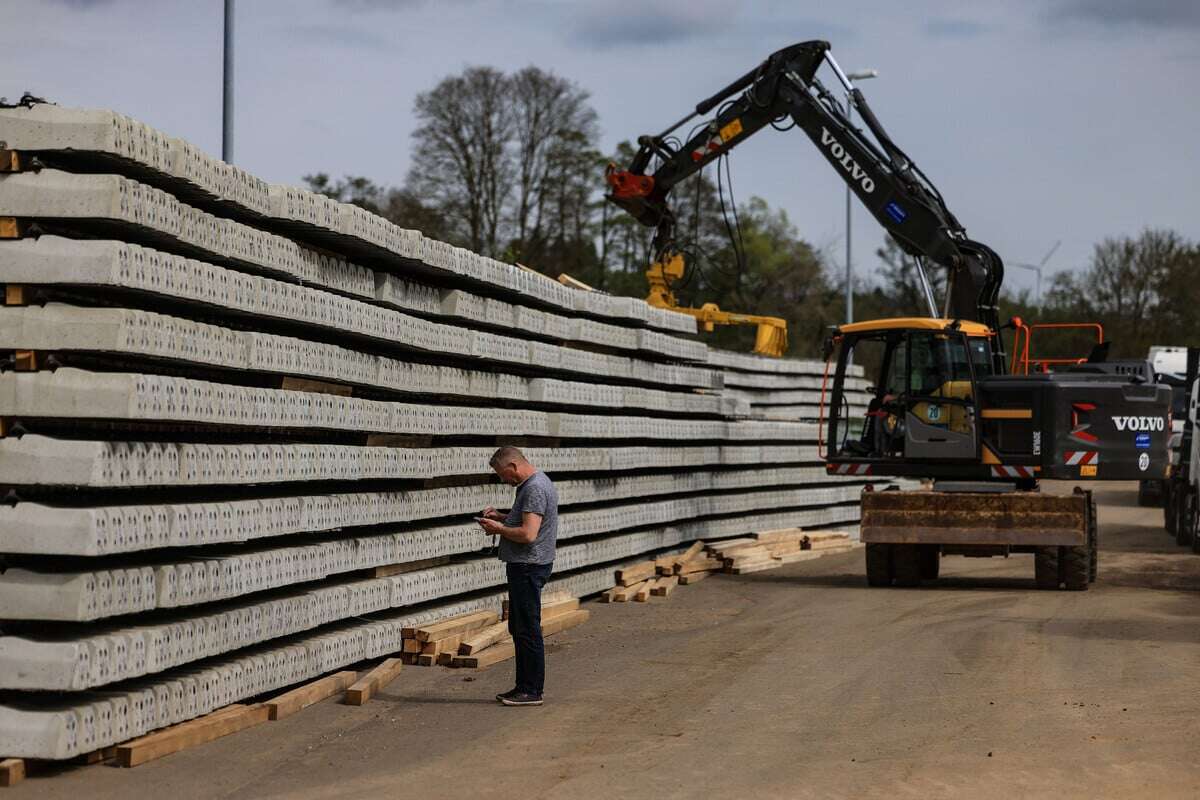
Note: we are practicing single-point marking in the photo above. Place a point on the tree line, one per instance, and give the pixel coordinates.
(510, 165)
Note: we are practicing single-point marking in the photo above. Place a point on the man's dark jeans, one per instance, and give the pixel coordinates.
(525, 582)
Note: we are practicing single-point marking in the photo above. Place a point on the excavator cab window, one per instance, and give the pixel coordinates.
(923, 399)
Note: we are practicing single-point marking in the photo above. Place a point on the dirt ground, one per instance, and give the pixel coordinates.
(795, 683)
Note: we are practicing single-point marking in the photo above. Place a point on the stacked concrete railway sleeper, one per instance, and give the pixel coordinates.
(245, 427)
(783, 389)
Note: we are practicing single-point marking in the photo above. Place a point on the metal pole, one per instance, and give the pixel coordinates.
(227, 89)
(849, 268)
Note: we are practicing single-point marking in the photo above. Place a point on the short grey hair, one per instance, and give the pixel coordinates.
(506, 455)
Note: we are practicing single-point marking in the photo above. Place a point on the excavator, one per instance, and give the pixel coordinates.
(946, 404)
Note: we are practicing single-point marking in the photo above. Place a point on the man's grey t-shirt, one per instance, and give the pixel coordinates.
(536, 495)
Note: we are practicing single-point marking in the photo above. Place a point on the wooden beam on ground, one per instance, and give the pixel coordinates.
(189, 734)
(362, 689)
(564, 622)
(635, 574)
(289, 703)
(664, 586)
(693, 577)
(411, 647)
(643, 592)
(687, 555)
(449, 627)
(479, 640)
(553, 597)
(558, 609)
(486, 657)
(12, 771)
(699, 565)
(625, 593)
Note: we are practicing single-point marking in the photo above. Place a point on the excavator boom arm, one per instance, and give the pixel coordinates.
(785, 87)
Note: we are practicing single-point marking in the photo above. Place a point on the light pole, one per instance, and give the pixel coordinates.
(1037, 268)
(861, 75)
(227, 88)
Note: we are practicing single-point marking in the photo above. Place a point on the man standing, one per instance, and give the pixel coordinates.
(528, 533)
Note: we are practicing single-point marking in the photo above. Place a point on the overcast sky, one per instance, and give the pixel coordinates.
(1039, 121)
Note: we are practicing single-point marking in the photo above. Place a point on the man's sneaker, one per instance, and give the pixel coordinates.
(522, 699)
(510, 693)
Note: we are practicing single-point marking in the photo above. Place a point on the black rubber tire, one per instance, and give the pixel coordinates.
(906, 565)
(1185, 523)
(1093, 530)
(1073, 567)
(930, 558)
(879, 564)
(1169, 511)
(1045, 567)
(1144, 498)
(1196, 526)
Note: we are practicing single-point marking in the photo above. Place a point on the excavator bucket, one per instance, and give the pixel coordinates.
(1019, 519)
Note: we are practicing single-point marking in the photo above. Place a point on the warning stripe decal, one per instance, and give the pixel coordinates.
(1081, 457)
(1002, 471)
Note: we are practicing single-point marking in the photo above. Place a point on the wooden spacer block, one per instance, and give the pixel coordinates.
(12, 771)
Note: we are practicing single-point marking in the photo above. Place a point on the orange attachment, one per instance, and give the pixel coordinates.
(626, 184)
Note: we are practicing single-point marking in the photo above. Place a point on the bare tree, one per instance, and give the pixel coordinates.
(461, 163)
(554, 128)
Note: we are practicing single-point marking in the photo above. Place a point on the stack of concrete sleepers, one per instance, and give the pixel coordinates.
(226, 403)
(783, 389)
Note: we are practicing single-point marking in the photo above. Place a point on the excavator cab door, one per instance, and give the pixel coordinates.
(939, 406)
(923, 397)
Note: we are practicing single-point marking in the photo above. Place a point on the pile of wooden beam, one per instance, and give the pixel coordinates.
(658, 578)
(481, 639)
(773, 549)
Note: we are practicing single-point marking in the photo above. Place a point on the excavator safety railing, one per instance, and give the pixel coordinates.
(1023, 363)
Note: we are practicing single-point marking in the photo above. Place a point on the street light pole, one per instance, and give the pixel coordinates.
(854, 76)
(227, 88)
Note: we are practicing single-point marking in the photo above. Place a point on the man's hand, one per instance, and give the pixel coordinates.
(491, 513)
(492, 526)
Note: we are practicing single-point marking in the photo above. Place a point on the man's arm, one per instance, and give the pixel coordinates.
(526, 534)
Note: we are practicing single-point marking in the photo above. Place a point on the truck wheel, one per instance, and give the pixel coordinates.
(879, 564)
(1045, 567)
(1093, 539)
(1144, 498)
(1073, 567)
(1186, 521)
(1196, 526)
(906, 565)
(930, 556)
(1169, 510)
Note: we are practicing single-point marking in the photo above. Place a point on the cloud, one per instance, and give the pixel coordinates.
(944, 28)
(83, 5)
(1167, 14)
(649, 22)
(340, 35)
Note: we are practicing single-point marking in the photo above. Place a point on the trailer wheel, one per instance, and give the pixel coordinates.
(1093, 539)
(879, 564)
(1073, 567)
(1170, 512)
(1185, 523)
(1045, 567)
(930, 556)
(906, 565)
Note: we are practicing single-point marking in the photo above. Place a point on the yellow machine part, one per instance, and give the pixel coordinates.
(769, 340)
